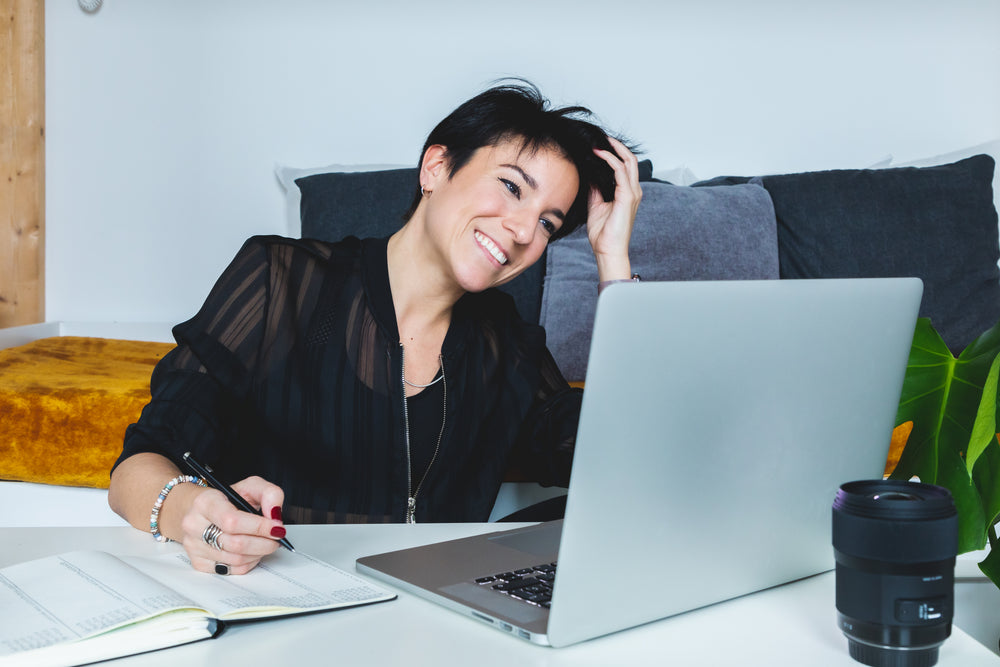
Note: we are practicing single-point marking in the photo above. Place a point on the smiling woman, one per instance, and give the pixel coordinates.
(385, 379)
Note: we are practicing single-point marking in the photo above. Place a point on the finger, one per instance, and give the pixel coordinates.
(244, 532)
(626, 157)
(246, 545)
(263, 495)
(626, 173)
(201, 563)
(224, 565)
(240, 551)
(622, 151)
(242, 568)
(259, 493)
(235, 522)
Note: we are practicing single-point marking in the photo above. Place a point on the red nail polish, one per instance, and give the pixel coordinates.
(276, 513)
(278, 531)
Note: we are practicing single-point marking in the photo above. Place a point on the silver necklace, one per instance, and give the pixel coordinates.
(438, 378)
(411, 493)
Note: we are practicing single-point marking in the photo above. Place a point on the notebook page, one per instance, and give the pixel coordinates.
(76, 595)
(283, 583)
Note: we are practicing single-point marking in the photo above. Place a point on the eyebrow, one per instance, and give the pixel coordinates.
(533, 184)
(527, 179)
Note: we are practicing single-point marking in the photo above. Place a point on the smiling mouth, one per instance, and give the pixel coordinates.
(491, 247)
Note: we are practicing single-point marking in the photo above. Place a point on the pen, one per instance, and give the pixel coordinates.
(206, 473)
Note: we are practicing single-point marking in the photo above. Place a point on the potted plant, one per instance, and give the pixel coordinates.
(952, 406)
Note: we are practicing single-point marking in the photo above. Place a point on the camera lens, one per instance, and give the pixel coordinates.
(895, 544)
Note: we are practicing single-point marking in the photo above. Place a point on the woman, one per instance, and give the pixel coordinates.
(382, 379)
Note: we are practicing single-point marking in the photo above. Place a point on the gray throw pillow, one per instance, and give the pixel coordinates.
(681, 233)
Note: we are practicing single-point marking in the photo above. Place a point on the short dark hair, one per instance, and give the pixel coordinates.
(518, 111)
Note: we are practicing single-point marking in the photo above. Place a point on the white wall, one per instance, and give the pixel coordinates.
(165, 119)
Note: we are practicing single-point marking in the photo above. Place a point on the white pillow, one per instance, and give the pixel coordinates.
(679, 175)
(884, 163)
(682, 174)
(293, 196)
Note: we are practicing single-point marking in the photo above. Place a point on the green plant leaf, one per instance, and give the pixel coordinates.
(984, 427)
(991, 566)
(986, 477)
(954, 422)
(953, 475)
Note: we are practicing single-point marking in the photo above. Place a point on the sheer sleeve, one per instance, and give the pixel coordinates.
(199, 388)
(544, 448)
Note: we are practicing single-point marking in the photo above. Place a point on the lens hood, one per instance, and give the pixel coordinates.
(895, 500)
(895, 521)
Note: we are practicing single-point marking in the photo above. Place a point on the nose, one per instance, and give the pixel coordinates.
(521, 226)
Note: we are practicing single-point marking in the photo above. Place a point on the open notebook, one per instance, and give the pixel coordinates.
(86, 606)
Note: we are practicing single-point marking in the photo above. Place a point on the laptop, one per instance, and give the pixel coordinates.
(718, 421)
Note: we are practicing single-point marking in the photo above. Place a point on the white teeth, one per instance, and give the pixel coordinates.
(488, 243)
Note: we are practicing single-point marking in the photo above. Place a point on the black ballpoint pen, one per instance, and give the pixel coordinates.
(206, 473)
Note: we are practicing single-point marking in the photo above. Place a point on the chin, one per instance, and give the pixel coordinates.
(483, 283)
(478, 286)
(473, 278)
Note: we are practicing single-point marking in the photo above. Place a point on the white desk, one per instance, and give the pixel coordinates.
(788, 625)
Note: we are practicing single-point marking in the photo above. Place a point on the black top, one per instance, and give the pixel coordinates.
(425, 414)
(291, 370)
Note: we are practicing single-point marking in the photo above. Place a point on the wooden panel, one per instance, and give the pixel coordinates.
(22, 162)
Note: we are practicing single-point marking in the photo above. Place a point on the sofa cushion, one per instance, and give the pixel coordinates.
(680, 233)
(938, 223)
(991, 148)
(334, 205)
(293, 196)
(364, 203)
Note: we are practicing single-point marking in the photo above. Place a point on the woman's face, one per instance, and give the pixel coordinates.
(493, 218)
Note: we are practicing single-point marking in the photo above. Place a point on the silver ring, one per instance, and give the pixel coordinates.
(221, 568)
(211, 536)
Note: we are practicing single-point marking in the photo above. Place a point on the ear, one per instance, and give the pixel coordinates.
(434, 166)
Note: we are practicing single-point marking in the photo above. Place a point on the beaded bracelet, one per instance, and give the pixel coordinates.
(154, 517)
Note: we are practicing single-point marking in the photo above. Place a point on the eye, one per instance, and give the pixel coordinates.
(548, 226)
(512, 187)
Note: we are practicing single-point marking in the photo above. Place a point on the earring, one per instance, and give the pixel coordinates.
(424, 193)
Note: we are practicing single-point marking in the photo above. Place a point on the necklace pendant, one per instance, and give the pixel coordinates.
(411, 510)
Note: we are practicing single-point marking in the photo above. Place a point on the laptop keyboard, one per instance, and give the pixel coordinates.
(531, 584)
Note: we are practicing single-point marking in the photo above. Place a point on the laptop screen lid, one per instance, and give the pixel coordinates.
(718, 421)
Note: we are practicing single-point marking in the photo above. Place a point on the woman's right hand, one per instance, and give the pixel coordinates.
(189, 509)
(245, 537)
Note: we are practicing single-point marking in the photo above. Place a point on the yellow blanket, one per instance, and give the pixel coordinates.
(65, 403)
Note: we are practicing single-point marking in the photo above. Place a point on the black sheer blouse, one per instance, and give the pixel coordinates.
(292, 371)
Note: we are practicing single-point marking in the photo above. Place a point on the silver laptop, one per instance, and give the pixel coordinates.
(718, 421)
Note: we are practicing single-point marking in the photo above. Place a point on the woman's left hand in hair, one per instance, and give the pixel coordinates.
(609, 224)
